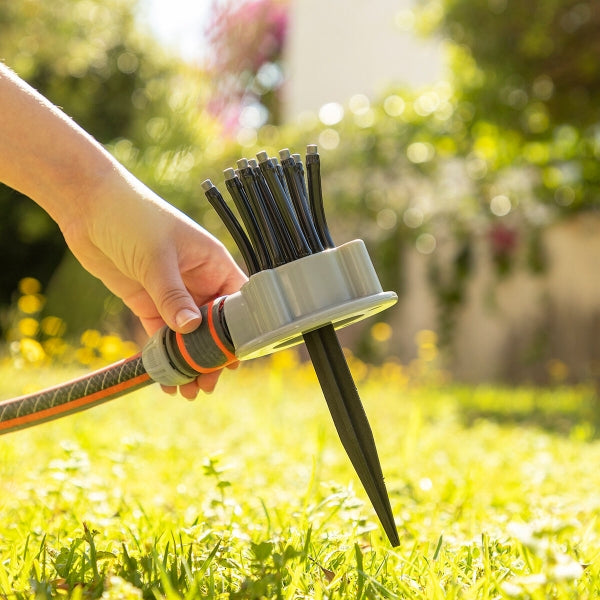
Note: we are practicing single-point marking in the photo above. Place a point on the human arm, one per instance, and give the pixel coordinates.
(158, 261)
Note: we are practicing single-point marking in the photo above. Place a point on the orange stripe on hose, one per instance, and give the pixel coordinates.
(75, 404)
(213, 334)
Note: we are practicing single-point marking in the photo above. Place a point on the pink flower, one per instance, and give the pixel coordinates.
(503, 240)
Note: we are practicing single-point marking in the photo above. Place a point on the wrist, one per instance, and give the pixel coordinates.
(72, 191)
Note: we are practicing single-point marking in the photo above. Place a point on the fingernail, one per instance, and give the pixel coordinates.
(186, 316)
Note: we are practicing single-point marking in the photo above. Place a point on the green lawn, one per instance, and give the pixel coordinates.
(247, 493)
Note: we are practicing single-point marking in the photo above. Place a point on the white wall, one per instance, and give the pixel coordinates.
(338, 48)
(517, 327)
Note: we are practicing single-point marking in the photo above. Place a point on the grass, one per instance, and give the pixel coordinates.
(247, 493)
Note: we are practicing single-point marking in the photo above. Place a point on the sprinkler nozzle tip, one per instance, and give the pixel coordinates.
(262, 156)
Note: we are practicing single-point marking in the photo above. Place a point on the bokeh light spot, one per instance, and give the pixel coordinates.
(426, 103)
(331, 113)
(359, 104)
(394, 105)
(28, 327)
(413, 217)
(420, 152)
(329, 139)
(29, 285)
(387, 218)
(381, 331)
(247, 137)
(30, 304)
(425, 243)
(500, 205)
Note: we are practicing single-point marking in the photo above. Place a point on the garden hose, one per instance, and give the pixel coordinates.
(168, 357)
(301, 289)
(76, 395)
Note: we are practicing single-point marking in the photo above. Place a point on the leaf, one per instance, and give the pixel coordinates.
(104, 555)
(329, 575)
(262, 551)
(65, 560)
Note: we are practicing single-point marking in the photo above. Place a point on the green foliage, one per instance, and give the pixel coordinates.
(128, 500)
(90, 58)
(526, 66)
(528, 76)
(483, 161)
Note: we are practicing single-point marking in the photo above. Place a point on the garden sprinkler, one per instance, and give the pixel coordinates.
(301, 288)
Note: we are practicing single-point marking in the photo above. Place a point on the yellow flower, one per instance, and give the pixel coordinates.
(557, 370)
(30, 303)
(53, 326)
(381, 332)
(428, 352)
(91, 338)
(111, 348)
(28, 327)
(426, 336)
(29, 286)
(86, 356)
(129, 348)
(31, 350)
(55, 346)
(286, 360)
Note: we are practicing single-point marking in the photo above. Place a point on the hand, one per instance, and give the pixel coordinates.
(162, 264)
(157, 260)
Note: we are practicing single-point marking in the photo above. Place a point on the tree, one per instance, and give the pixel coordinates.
(535, 62)
(530, 75)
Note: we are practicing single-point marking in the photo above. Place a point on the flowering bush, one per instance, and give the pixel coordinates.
(247, 41)
(35, 339)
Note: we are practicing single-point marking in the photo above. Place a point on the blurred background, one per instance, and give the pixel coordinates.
(459, 138)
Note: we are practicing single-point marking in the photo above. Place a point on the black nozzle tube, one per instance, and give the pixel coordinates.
(282, 235)
(263, 218)
(280, 175)
(299, 168)
(231, 223)
(315, 195)
(238, 195)
(299, 201)
(284, 207)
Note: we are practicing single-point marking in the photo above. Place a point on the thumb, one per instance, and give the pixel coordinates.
(172, 300)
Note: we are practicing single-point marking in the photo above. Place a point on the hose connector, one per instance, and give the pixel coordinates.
(172, 358)
(157, 362)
